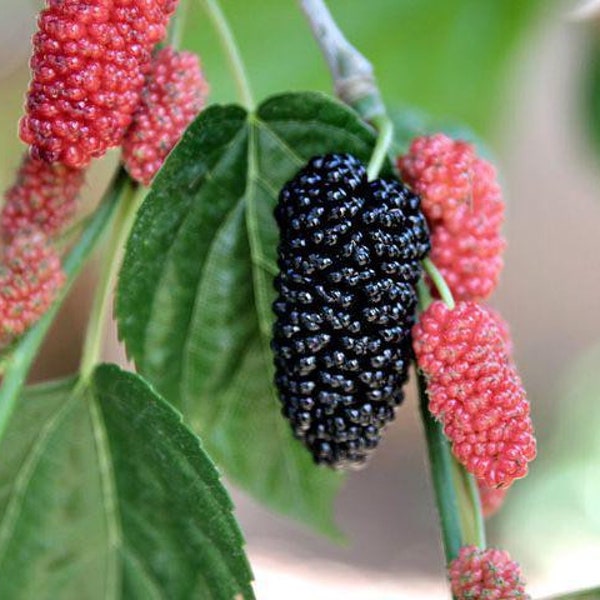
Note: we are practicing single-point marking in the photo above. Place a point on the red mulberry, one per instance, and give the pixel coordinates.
(88, 65)
(465, 211)
(440, 170)
(30, 278)
(44, 197)
(175, 93)
(491, 574)
(474, 389)
(491, 498)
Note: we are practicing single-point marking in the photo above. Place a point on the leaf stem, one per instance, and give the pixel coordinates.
(232, 51)
(92, 348)
(177, 26)
(439, 282)
(26, 349)
(384, 141)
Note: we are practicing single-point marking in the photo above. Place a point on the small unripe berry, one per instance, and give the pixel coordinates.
(43, 197)
(465, 211)
(439, 169)
(174, 94)
(30, 278)
(475, 391)
(489, 574)
(88, 68)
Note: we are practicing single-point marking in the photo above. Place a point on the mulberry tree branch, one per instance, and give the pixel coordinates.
(353, 77)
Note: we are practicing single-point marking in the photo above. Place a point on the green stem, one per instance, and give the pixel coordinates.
(232, 51)
(111, 263)
(590, 594)
(440, 459)
(439, 282)
(177, 27)
(469, 505)
(26, 350)
(384, 141)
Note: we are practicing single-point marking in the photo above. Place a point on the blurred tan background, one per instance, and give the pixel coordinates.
(550, 294)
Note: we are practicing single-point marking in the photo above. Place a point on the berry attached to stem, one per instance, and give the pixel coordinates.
(30, 278)
(475, 391)
(44, 197)
(349, 259)
(490, 574)
(88, 68)
(174, 94)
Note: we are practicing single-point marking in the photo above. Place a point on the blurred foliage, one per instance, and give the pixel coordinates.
(591, 95)
(448, 58)
(557, 505)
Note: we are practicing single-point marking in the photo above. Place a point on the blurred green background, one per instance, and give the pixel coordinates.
(516, 72)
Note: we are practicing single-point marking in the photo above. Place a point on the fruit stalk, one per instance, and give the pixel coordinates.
(353, 78)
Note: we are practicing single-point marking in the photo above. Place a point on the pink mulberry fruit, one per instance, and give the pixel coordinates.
(475, 391)
(44, 197)
(30, 278)
(491, 574)
(465, 211)
(175, 93)
(88, 67)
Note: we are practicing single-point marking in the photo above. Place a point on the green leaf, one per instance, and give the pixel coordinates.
(195, 292)
(105, 494)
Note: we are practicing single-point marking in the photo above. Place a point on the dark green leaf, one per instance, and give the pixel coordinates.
(105, 494)
(195, 291)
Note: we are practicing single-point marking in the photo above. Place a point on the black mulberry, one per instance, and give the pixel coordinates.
(349, 259)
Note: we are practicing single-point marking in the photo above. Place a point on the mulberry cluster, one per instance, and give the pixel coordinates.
(474, 389)
(465, 211)
(349, 257)
(30, 278)
(89, 62)
(489, 574)
(43, 197)
(174, 94)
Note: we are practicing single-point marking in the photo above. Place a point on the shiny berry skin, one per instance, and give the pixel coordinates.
(349, 258)
(43, 197)
(30, 278)
(88, 67)
(174, 94)
(491, 498)
(463, 204)
(475, 391)
(488, 574)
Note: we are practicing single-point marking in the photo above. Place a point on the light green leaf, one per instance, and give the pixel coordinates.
(105, 494)
(195, 292)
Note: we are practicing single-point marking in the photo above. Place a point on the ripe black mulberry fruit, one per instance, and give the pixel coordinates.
(349, 259)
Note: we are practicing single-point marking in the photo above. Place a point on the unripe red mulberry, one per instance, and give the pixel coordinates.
(174, 94)
(43, 197)
(489, 574)
(88, 65)
(30, 278)
(465, 211)
(491, 498)
(439, 169)
(474, 389)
